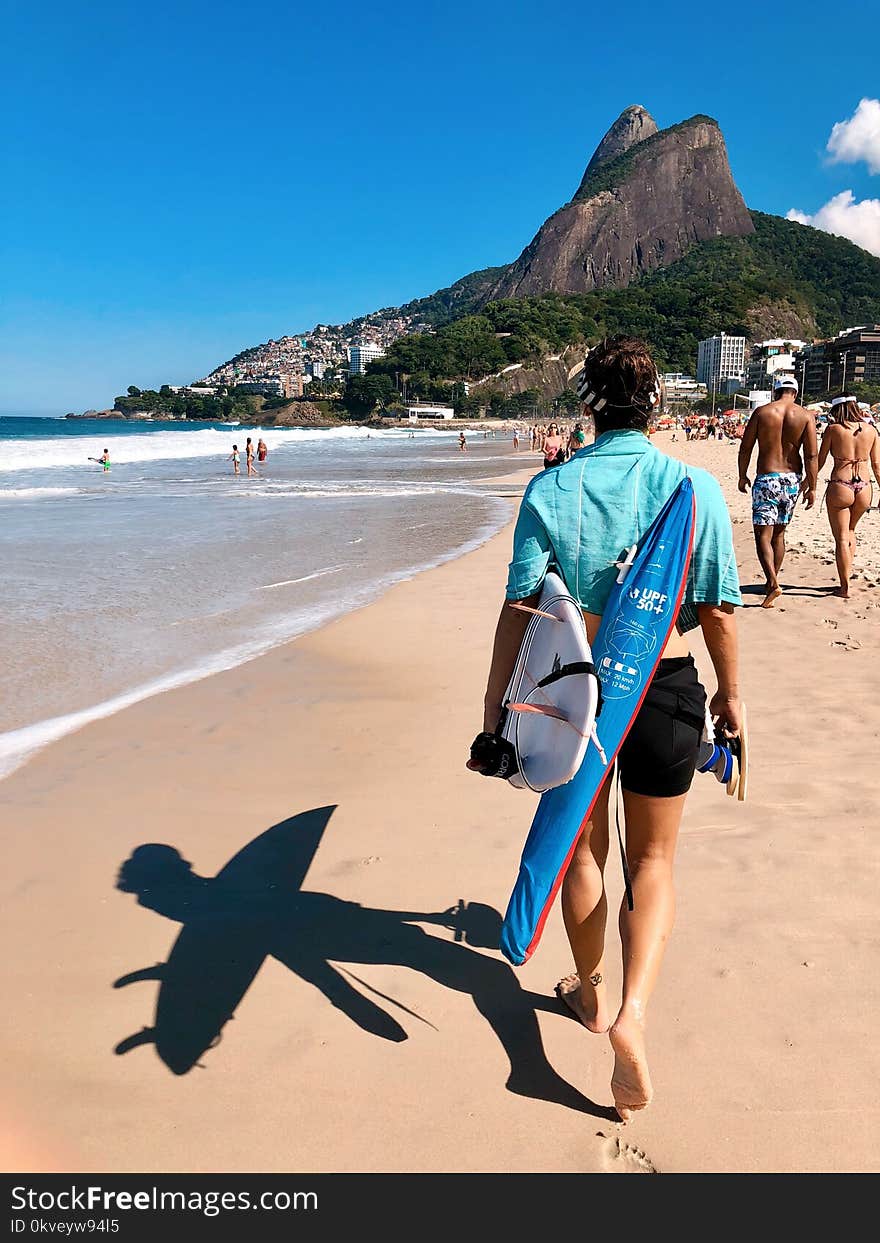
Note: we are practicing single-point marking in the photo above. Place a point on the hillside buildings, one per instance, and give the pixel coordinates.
(328, 351)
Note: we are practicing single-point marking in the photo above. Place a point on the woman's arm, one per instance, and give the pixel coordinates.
(825, 447)
(508, 638)
(718, 624)
(811, 468)
(875, 456)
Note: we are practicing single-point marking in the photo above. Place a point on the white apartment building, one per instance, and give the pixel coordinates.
(720, 359)
(268, 386)
(360, 355)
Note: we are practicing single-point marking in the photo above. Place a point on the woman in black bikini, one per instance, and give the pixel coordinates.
(854, 446)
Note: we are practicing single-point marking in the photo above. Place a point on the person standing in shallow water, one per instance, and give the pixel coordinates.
(234, 459)
(579, 517)
(249, 455)
(786, 437)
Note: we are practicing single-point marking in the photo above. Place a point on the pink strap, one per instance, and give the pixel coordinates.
(543, 709)
(525, 608)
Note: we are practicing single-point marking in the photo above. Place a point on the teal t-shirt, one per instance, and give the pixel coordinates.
(584, 514)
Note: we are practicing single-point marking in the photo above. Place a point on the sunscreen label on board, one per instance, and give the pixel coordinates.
(631, 640)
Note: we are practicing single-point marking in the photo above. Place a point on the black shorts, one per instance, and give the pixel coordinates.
(659, 756)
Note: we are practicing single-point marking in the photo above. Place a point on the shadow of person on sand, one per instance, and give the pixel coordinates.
(256, 907)
(805, 590)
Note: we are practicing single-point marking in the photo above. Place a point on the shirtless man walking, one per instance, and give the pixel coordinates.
(787, 450)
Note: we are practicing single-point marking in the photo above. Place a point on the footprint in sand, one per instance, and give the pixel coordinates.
(618, 1157)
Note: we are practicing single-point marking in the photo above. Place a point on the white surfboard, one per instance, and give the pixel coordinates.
(553, 696)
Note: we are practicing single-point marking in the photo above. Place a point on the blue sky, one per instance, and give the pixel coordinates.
(189, 178)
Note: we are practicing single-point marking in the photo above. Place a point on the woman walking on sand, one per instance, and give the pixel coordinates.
(854, 446)
(554, 453)
(579, 518)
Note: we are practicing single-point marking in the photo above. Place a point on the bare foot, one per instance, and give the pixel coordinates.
(842, 593)
(773, 594)
(630, 1082)
(590, 1010)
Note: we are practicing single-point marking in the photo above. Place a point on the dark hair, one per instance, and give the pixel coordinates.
(620, 384)
(847, 412)
(234, 447)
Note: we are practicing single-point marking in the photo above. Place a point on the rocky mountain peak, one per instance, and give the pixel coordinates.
(638, 209)
(633, 125)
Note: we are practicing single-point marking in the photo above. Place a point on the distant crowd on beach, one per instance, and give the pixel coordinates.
(710, 427)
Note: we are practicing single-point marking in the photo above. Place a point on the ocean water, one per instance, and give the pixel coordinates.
(117, 586)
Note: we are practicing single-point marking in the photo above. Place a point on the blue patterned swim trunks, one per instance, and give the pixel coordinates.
(774, 496)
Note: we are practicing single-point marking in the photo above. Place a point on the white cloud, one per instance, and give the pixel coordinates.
(858, 138)
(843, 215)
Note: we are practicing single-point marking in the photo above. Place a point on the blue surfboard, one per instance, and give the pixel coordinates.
(636, 624)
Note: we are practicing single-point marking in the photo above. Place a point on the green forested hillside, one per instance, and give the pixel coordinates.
(790, 270)
(459, 299)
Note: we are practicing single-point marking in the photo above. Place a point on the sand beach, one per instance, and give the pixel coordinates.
(373, 1027)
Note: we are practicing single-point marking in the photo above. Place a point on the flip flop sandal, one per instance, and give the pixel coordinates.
(742, 784)
(728, 761)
